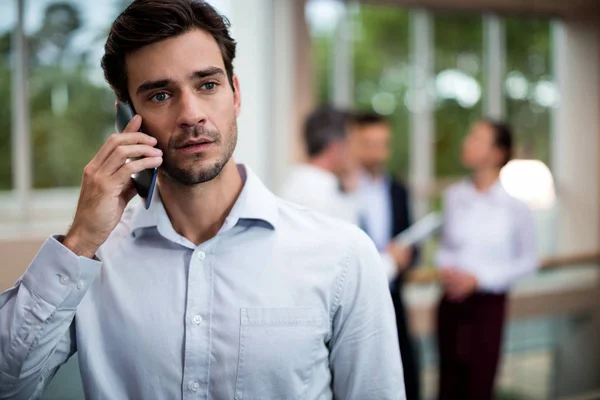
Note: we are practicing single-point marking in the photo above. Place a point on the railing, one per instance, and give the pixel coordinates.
(424, 275)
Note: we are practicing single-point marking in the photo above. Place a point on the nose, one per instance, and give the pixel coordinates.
(191, 110)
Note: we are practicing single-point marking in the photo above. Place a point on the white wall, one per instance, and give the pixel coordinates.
(252, 29)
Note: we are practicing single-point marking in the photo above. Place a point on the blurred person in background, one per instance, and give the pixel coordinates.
(487, 245)
(326, 181)
(384, 212)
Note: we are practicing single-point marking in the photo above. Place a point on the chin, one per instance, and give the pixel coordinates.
(195, 172)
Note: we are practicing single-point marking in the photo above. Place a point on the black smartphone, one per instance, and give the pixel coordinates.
(144, 181)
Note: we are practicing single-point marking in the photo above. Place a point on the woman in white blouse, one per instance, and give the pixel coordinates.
(487, 245)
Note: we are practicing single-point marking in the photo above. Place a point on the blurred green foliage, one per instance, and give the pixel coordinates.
(70, 115)
(381, 63)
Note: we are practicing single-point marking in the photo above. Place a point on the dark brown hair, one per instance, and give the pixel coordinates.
(149, 21)
(503, 138)
(322, 127)
(368, 118)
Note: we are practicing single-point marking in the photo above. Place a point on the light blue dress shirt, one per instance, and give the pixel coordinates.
(283, 303)
(376, 208)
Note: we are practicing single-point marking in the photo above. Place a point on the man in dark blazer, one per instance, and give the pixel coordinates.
(384, 213)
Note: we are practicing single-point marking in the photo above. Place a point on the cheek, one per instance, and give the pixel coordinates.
(222, 115)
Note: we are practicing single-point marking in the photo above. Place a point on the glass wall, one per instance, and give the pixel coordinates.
(382, 72)
(8, 21)
(381, 63)
(530, 90)
(458, 83)
(71, 107)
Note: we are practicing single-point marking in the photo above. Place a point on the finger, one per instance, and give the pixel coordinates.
(134, 125)
(136, 166)
(120, 139)
(121, 154)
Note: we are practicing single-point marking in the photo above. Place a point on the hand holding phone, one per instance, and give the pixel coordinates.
(107, 186)
(144, 181)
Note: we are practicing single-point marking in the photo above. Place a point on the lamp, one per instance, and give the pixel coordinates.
(531, 182)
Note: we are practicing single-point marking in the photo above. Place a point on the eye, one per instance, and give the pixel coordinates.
(160, 97)
(209, 86)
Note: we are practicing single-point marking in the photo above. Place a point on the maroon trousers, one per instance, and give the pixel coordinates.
(469, 340)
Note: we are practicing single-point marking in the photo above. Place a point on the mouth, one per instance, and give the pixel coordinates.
(195, 146)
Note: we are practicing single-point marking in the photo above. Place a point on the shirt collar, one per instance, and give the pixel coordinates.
(255, 202)
(495, 192)
(365, 179)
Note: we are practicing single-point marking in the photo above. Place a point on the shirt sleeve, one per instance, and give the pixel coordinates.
(36, 315)
(446, 256)
(498, 278)
(364, 353)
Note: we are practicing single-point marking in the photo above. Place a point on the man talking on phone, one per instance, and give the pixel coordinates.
(220, 290)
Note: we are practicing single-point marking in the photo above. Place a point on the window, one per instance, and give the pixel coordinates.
(8, 20)
(382, 73)
(458, 77)
(71, 107)
(323, 17)
(530, 91)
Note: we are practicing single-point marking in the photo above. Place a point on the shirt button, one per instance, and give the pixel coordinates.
(197, 319)
(64, 279)
(201, 255)
(80, 285)
(194, 386)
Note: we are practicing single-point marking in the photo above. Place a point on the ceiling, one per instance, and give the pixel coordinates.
(558, 8)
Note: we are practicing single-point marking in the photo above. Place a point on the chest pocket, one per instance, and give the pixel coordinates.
(278, 348)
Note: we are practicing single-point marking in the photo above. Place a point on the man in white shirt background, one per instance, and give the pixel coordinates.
(220, 290)
(327, 180)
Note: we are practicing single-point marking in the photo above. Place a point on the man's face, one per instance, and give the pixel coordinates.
(373, 146)
(180, 89)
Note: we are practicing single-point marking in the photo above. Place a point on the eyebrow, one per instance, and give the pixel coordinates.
(162, 83)
(203, 73)
(151, 85)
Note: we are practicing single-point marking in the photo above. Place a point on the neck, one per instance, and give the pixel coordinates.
(485, 178)
(198, 212)
(375, 173)
(322, 162)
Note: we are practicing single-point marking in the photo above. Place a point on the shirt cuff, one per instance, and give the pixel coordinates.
(489, 283)
(59, 276)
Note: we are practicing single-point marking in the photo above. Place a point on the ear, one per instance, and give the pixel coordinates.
(237, 96)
